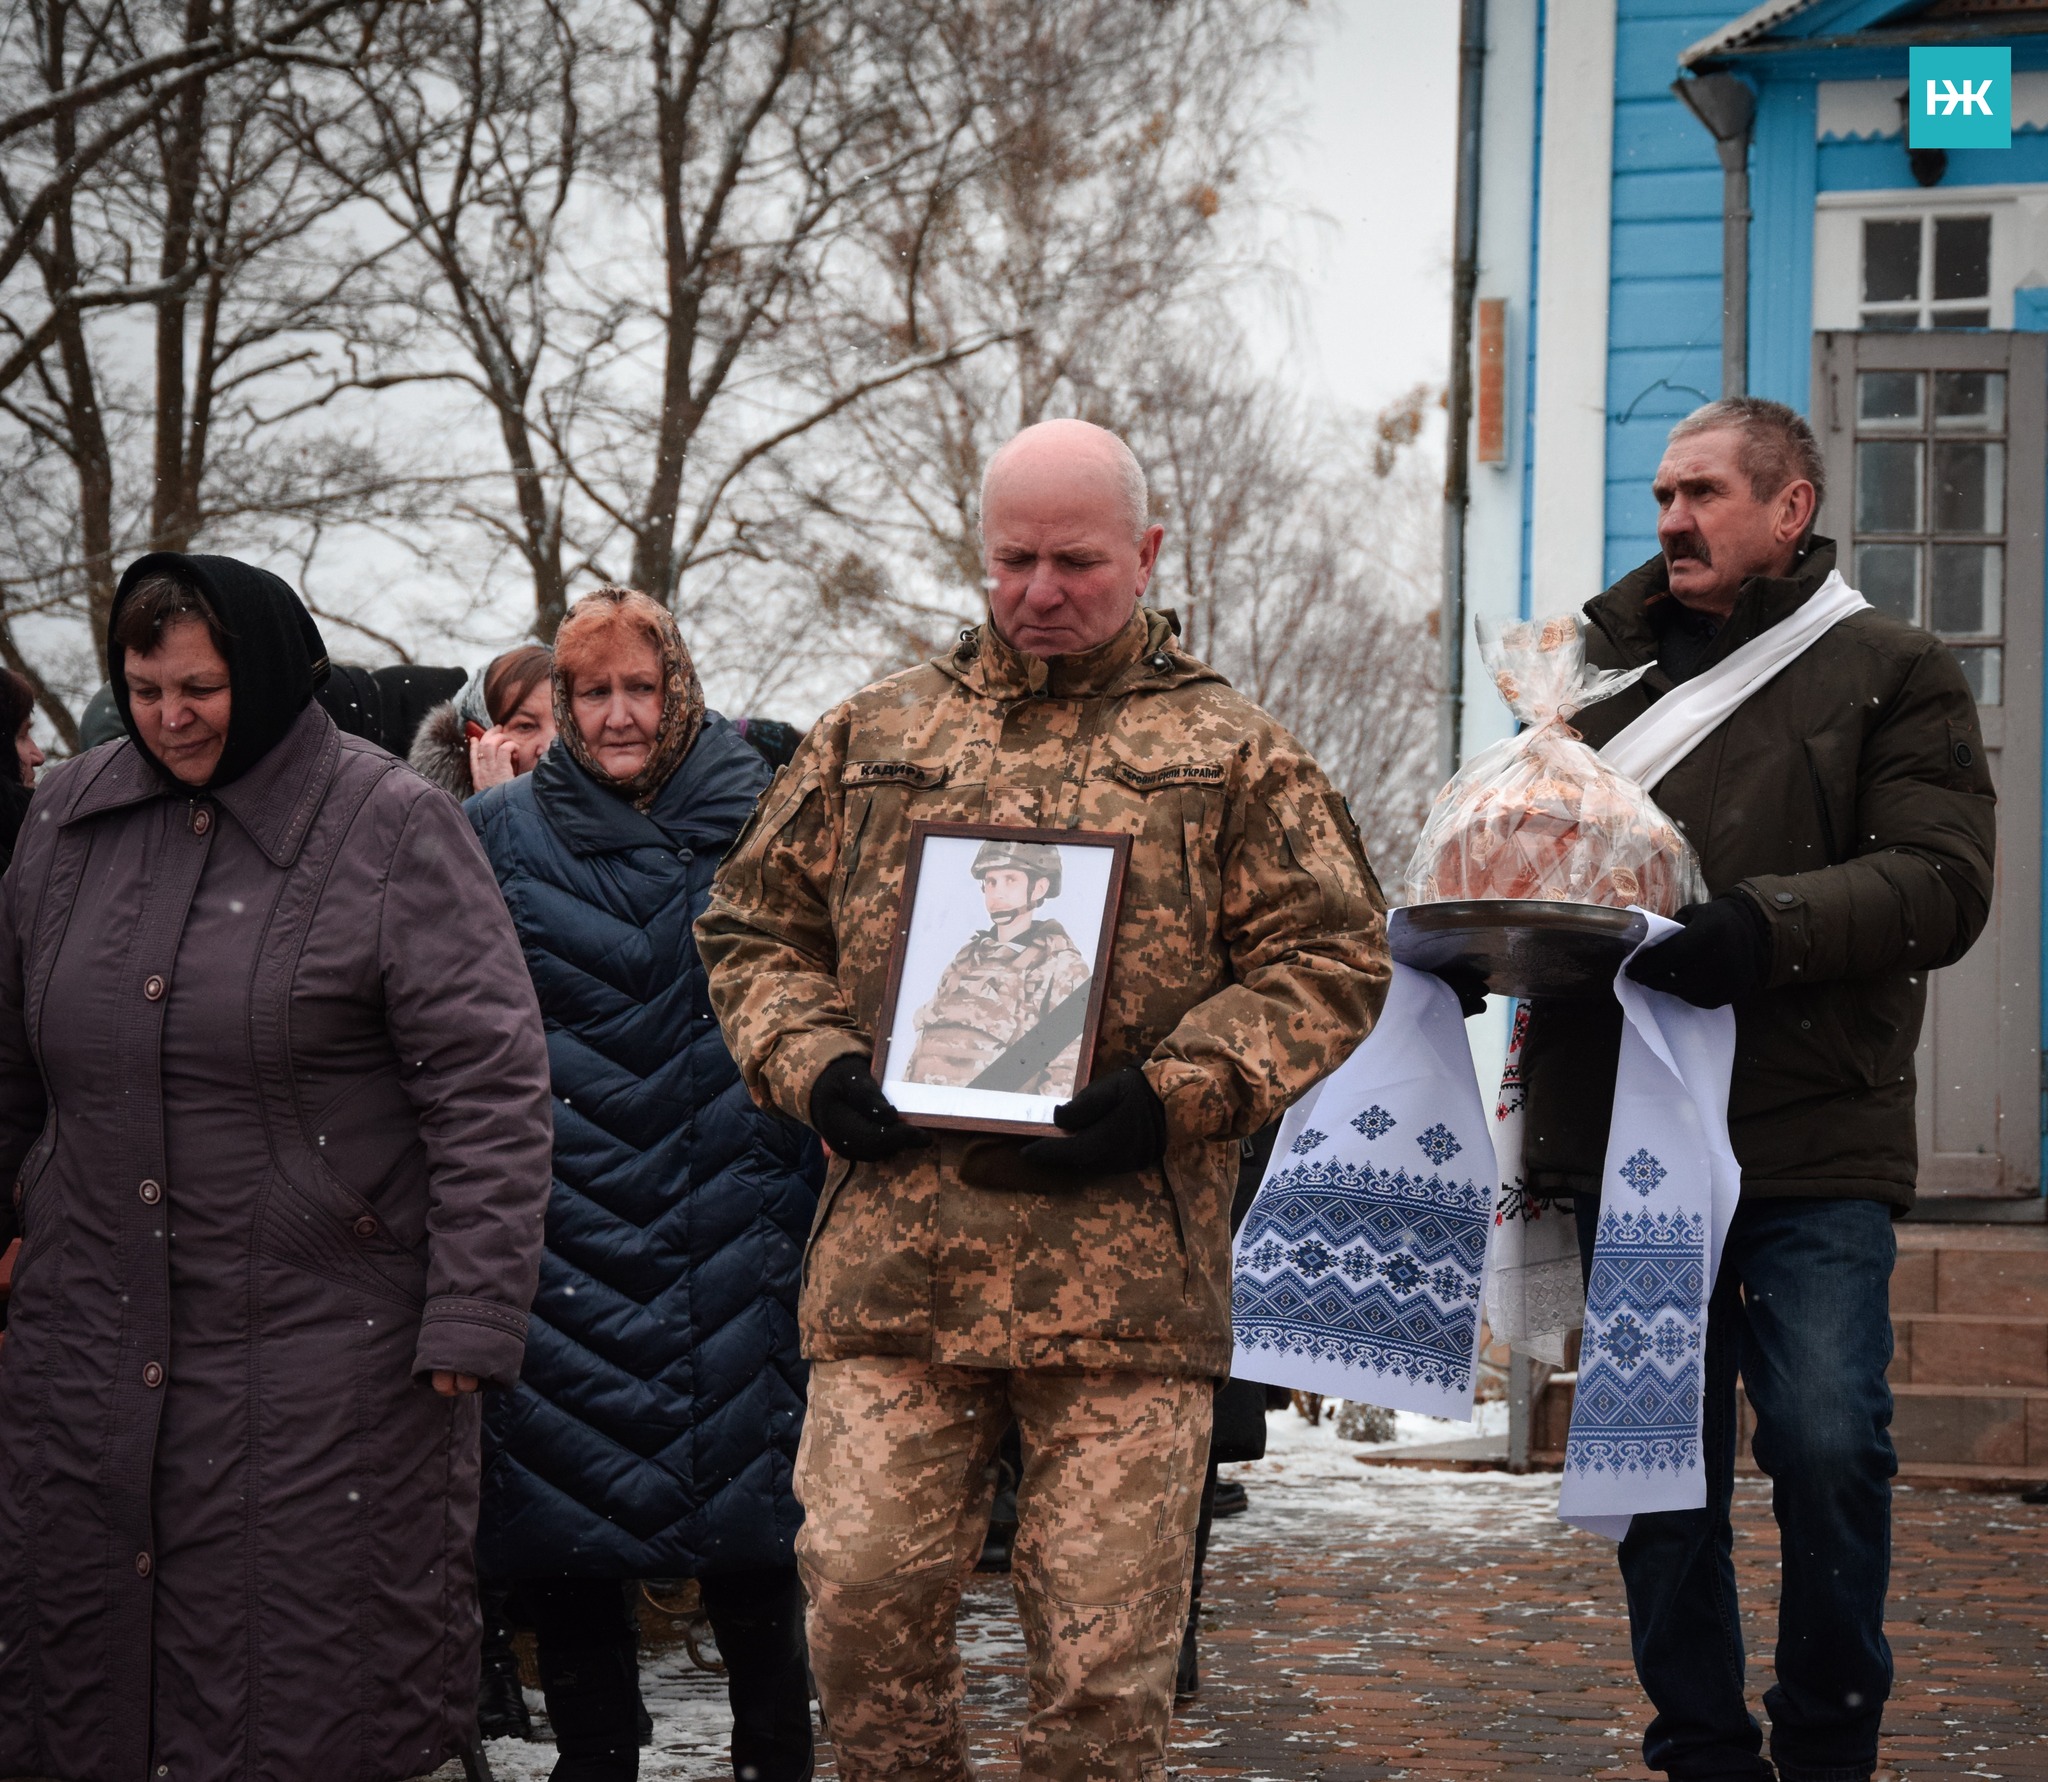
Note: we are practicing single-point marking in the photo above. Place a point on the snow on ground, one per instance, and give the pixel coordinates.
(1311, 1480)
(1313, 1477)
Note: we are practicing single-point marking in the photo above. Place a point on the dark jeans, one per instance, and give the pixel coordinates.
(1801, 1310)
(587, 1645)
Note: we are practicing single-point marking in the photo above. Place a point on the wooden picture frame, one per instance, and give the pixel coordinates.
(977, 1031)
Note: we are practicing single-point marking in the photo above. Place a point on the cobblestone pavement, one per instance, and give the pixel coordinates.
(1368, 1622)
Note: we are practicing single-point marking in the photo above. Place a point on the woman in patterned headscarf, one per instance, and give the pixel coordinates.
(653, 1432)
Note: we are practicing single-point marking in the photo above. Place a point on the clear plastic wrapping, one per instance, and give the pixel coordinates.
(1540, 815)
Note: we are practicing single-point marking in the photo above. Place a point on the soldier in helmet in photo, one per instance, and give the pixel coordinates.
(1009, 1010)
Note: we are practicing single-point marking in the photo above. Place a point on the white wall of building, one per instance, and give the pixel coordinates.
(1568, 522)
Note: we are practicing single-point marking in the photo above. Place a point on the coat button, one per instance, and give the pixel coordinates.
(153, 987)
(151, 1192)
(202, 820)
(153, 1375)
(142, 1565)
(1785, 898)
(366, 1226)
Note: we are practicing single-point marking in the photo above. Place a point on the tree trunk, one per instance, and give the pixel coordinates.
(174, 502)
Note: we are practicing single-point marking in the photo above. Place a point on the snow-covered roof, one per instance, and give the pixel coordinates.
(1754, 23)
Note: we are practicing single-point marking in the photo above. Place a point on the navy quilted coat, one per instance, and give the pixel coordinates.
(654, 1427)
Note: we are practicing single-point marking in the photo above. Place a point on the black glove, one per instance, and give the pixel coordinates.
(852, 1115)
(1118, 1123)
(1469, 987)
(1722, 954)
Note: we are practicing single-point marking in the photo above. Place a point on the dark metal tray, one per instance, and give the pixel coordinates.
(1517, 946)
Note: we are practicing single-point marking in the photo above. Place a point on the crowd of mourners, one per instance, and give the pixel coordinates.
(449, 1188)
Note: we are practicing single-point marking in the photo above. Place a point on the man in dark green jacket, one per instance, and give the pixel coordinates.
(1843, 819)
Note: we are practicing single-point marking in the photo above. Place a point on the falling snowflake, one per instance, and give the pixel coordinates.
(1375, 1122)
(1642, 1172)
(1438, 1145)
(1626, 1340)
(1307, 1142)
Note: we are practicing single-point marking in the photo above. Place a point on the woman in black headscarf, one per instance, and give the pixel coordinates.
(281, 1214)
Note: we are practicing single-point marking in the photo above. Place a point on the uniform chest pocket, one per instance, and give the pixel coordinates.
(882, 799)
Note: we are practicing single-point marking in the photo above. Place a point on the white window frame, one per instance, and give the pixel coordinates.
(2019, 242)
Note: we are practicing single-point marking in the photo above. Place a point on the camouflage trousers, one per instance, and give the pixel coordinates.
(895, 1477)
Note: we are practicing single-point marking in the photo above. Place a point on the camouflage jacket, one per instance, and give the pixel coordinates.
(1249, 957)
(991, 995)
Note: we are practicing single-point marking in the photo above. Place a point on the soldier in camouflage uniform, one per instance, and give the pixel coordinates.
(1078, 1283)
(1006, 980)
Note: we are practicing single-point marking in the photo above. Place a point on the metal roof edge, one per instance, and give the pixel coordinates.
(1752, 24)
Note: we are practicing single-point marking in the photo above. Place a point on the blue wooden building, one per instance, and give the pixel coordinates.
(1632, 251)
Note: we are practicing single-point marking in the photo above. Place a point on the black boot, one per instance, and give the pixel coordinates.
(1001, 1540)
(588, 1647)
(594, 1706)
(759, 1620)
(500, 1702)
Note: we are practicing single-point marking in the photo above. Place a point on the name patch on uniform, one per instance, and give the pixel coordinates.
(905, 773)
(1154, 779)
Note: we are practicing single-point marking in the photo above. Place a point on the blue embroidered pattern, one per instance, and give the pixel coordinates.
(1377, 1269)
(1438, 1145)
(1637, 1409)
(1307, 1142)
(1642, 1172)
(1375, 1122)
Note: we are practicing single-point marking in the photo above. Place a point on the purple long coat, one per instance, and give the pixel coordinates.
(274, 1102)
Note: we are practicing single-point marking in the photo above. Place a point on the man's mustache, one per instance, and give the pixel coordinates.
(1688, 544)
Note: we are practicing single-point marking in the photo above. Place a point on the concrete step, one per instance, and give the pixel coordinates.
(1962, 1349)
(1976, 1270)
(1979, 1434)
(1992, 1426)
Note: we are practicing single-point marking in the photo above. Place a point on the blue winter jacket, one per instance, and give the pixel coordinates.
(654, 1428)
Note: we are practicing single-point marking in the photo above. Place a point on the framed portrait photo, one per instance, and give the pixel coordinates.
(998, 973)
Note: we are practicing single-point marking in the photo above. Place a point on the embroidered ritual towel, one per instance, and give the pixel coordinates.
(1535, 1296)
(1670, 730)
(1668, 1190)
(1358, 1271)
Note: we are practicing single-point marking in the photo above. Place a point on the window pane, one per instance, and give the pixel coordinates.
(1969, 401)
(1888, 485)
(1891, 261)
(1966, 590)
(1962, 259)
(1888, 576)
(1891, 321)
(1960, 318)
(1889, 398)
(1981, 668)
(1969, 487)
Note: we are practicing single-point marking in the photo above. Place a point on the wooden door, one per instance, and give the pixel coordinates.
(1935, 445)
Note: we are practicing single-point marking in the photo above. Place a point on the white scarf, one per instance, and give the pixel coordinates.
(1670, 730)
(1360, 1269)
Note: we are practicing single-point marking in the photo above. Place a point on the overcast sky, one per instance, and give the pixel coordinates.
(1372, 152)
